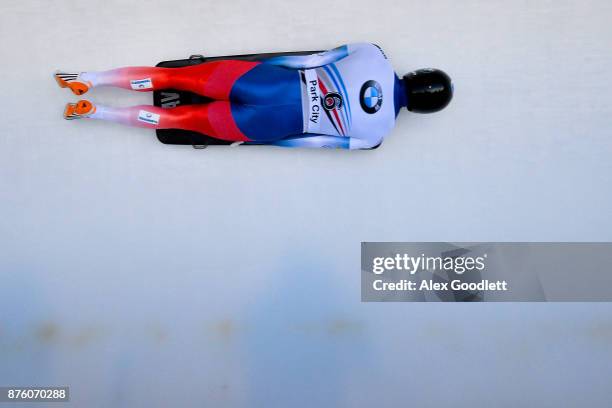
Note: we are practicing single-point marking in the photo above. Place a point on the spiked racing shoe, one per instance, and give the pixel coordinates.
(73, 81)
(81, 109)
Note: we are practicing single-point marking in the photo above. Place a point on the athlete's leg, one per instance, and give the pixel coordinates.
(212, 79)
(213, 119)
(218, 119)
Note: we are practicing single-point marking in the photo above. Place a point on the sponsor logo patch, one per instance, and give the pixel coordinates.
(148, 117)
(332, 100)
(371, 97)
(314, 101)
(144, 83)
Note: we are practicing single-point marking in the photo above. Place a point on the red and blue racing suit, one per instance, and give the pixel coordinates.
(347, 97)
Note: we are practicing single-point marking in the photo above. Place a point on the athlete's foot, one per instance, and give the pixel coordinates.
(81, 109)
(73, 81)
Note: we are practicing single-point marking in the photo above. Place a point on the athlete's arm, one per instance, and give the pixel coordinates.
(310, 61)
(311, 140)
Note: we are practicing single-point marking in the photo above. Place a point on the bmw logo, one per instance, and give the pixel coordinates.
(371, 97)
